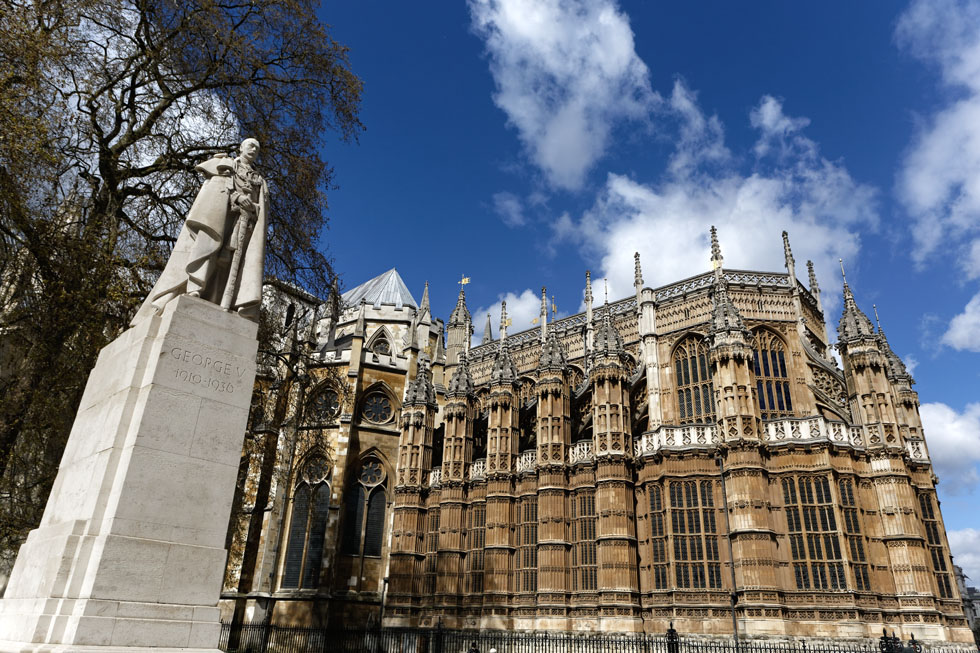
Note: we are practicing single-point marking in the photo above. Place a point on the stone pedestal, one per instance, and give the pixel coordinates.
(130, 552)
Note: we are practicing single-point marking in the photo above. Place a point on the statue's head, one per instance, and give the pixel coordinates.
(249, 150)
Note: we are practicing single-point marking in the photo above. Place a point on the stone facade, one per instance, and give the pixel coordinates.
(603, 472)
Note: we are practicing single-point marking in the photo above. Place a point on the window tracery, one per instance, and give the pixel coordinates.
(364, 515)
(695, 394)
(772, 379)
(377, 408)
(693, 526)
(813, 533)
(307, 525)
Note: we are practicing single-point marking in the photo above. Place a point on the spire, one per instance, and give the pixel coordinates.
(896, 368)
(724, 315)
(637, 272)
(788, 254)
(420, 390)
(425, 299)
(503, 324)
(608, 341)
(717, 260)
(460, 314)
(589, 318)
(544, 314)
(588, 296)
(814, 286)
(487, 332)
(725, 318)
(854, 324)
(552, 354)
(504, 370)
(461, 384)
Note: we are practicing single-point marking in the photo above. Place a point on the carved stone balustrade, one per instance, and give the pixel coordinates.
(478, 470)
(581, 452)
(527, 461)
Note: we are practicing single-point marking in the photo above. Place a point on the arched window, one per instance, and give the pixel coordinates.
(307, 525)
(364, 515)
(324, 406)
(695, 395)
(377, 408)
(771, 378)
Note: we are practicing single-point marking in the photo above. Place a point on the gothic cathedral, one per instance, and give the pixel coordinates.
(674, 456)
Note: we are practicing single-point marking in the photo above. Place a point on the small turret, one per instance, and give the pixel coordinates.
(854, 325)
(461, 385)
(552, 355)
(897, 372)
(504, 370)
(421, 391)
(459, 332)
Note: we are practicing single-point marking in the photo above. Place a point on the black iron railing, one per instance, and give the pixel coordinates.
(264, 638)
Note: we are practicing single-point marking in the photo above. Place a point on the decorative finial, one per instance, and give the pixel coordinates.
(588, 286)
(605, 282)
(463, 280)
(814, 286)
(874, 307)
(716, 257)
(554, 308)
(841, 261)
(637, 273)
(487, 331)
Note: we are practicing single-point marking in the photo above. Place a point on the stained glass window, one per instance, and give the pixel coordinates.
(771, 376)
(692, 378)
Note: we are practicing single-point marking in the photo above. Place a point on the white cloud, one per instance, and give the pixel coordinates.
(510, 209)
(965, 546)
(964, 329)
(953, 439)
(566, 73)
(791, 187)
(911, 362)
(939, 181)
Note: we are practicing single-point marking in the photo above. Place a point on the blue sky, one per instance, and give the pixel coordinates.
(523, 143)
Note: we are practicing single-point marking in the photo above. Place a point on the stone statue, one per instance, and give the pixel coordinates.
(220, 250)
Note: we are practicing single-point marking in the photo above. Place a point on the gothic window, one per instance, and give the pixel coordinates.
(377, 408)
(324, 406)
(694, 531)
(813, 536)
(658, 538)
(381, 345)
(432, 550)
(364, 514)
(771, 377)
(935, 543)
(695, 396)
(527, 553)
(307, 525)
(852, 530)
(477, 540)
(584, 574)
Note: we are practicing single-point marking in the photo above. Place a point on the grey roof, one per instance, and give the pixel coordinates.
(387, 288)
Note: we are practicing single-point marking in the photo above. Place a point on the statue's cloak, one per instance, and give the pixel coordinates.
(198, 252)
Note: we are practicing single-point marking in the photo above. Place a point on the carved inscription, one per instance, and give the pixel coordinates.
(206, 371)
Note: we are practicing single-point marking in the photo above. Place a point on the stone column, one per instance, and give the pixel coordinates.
(554, 439)
(130, 551)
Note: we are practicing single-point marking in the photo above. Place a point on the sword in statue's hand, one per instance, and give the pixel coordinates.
(245, 221)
